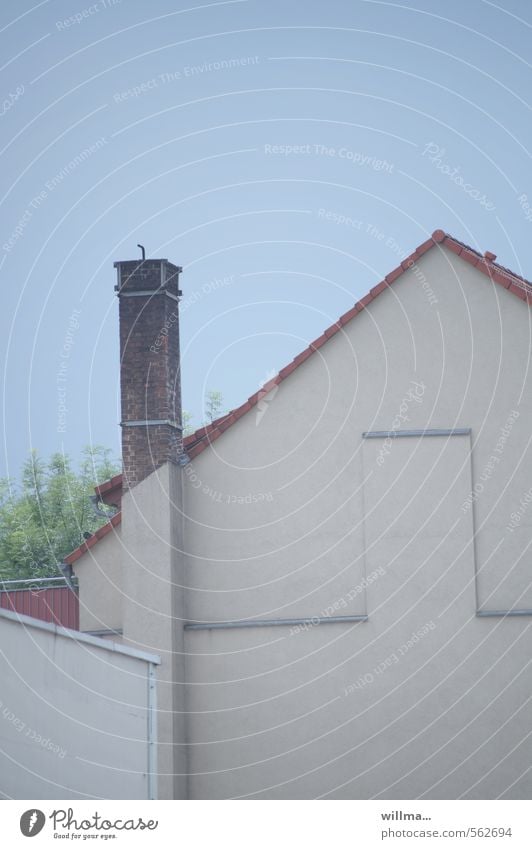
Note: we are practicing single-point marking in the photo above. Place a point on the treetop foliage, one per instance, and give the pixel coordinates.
(44, 517)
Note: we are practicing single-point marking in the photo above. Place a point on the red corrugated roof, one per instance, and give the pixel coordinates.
(196, 442)
(59, 605)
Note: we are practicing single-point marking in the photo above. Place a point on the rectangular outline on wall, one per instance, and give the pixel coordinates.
(457, 431)
(474, 523)
(462, 431)
(486, 613)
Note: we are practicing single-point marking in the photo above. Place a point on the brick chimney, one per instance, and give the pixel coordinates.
(150, 381)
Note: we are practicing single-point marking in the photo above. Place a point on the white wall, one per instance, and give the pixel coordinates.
(287, 513)
(73, 714)
(153, 609)
(99, 574)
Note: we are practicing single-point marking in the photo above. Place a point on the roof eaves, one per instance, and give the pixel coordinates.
(113, 483)
(92, 540)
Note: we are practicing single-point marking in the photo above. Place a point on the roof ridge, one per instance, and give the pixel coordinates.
(485, 257)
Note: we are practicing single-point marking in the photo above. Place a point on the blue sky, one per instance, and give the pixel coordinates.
(286, 154)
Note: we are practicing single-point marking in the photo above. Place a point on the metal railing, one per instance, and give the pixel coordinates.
(38, 583)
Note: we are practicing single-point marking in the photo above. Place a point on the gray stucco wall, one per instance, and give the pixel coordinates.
(99, 574)
(154, 611)
(74, 715)
(291, 511)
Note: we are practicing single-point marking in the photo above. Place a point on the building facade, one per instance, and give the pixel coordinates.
(336, 576)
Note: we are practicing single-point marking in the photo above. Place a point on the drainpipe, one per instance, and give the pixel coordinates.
(152, 732)
(97, 510)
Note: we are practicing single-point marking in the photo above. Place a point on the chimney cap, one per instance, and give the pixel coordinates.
(489, 256)
(139, 261)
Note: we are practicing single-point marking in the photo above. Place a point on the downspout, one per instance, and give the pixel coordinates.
(94, 500)
(152, 732)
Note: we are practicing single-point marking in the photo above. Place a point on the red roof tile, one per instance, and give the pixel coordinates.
(98, 535)
(113, 483)
(110, 492)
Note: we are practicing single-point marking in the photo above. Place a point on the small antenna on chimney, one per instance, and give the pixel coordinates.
(143, 249)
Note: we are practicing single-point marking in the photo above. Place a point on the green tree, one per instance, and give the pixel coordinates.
(213, 405)
(45, 517)
(187, 422)
(213, 410)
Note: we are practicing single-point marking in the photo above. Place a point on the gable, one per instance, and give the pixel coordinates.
(499, 275)
(281, 500)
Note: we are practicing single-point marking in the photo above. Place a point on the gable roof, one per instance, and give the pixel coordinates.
(204, 436)
(198, 441)
(96, 537)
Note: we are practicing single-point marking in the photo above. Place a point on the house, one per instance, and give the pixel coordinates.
(336, 575)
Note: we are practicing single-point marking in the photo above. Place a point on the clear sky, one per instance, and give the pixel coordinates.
(286, 154)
